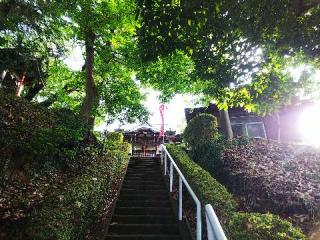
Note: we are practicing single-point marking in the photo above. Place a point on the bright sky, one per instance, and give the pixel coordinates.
(75, 59)
(174, 112)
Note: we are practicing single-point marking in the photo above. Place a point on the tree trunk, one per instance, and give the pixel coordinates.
(34, 90)
(278, 127)
(226, 124)
(299, 7)
(302, 6)
(91, 90)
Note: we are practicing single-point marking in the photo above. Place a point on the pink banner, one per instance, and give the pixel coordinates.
(161, 108)
(20, 84)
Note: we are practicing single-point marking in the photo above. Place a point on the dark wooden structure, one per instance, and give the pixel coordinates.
(282, 125)
(14, 63)
(145, 141)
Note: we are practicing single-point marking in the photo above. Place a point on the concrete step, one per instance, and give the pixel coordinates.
(155, 165)
(155, 174)
(132, 172)
(144, 158)
(143, 211)
(143, 186)
(143, 169)
(167, 229)
(138, 219)
(145, 161)
(143, 203)
(144, 165)
(142, 237)
(155, 192)
(143, 182)
(142, 196)
(143, 178)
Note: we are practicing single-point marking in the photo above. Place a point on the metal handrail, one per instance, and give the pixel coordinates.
(181, 180)
(214, 229)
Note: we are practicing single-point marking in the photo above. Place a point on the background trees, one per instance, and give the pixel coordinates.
(104, 30)
(27, 40)
(241, 50)
(237, 53)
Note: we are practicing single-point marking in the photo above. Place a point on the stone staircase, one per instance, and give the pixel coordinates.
(143, 210)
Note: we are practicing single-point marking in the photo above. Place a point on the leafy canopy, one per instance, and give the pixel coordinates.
(113, 25)
(48, 29)
(201, 129)
(241, 50)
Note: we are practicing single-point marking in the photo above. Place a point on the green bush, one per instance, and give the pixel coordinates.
(204, 143)
(45, 135)
(209, 155)
(113, 140)
(281, 178)
(209, 190)
(73, 208)
(245, 226)
(201, 129)
(238, 225)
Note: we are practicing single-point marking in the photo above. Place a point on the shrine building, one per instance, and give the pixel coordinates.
(146, 141)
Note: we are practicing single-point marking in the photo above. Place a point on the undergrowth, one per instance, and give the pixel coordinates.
(238, 225)
(55, 176)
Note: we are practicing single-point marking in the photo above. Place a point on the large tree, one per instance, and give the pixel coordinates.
(28, 35)
(241, 50)
(105, 30)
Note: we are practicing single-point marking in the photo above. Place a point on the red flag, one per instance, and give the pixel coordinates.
(20, 84)
(161, 108)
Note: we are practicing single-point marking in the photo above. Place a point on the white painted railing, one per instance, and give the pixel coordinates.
(164, 157)
(214, 228)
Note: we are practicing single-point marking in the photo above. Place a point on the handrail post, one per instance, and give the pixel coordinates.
(171, 176)
(180, 198)
(198, 227)
(209, 229)
(213, 225)
(162, 150)
(215, 231)
(165, 163)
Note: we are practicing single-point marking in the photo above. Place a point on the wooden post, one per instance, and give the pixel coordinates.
(226, 124)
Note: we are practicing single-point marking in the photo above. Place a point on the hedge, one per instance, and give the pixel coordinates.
(246, 226)
(238, 225)
(32, 134)
(73, 208)
(208, 155)
(201, 129)
(281, 178)
(208, 189)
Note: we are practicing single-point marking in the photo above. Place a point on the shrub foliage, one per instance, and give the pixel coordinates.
(208, 154)
(247, 226)
(55, 178)
(31, 134)
(238, 225)
(208, 189)
(201, 129)
(204, 142)
(75, 207)
(280, 178)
